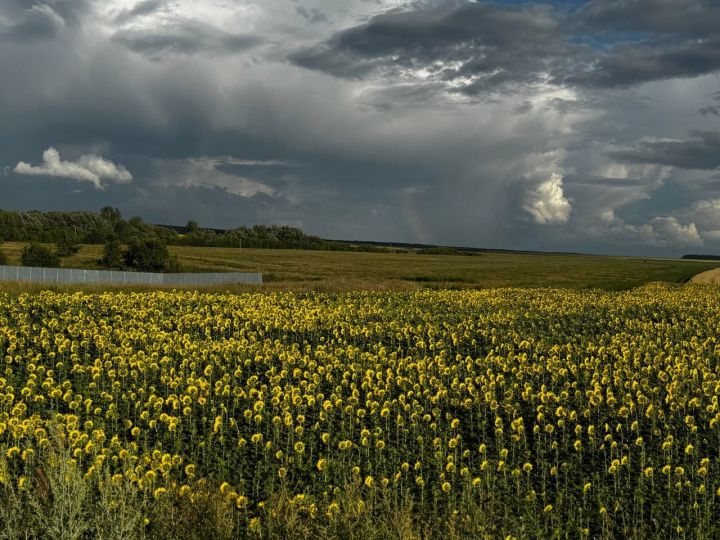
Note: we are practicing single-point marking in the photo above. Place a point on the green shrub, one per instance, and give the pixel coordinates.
(147, 255)
(112, 258)
(173, 265)
(37, 255)
(66, 248)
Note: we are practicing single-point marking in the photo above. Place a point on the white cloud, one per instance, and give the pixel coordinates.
(251, 162)
(88, 168)
(203, 171)
(706, 213)
(650, 174)
(547, 203)
(669, 231)
(659, 231)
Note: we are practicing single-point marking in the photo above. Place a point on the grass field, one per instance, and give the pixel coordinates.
(345, 271)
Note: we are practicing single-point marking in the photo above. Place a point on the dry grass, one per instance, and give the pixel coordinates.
(709, 276)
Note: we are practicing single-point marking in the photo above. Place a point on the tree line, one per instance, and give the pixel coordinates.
(82, 227)
(132, 244)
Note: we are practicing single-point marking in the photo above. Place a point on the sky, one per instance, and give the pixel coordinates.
(590, 126)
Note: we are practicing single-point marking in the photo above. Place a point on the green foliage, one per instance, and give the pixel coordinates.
(259, 236)
(98, 228)
(72, 228)
(112, 217)
(67, 247)
(147, 255)
(173, 266)
(113, 258)
(58, 501)
(80, 227)
(35, 226)
(207, 515)
(37, 255)
(702, 257)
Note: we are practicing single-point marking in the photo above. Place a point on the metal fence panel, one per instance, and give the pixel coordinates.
(68, 276)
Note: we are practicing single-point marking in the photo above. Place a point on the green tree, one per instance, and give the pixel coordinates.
(147, 255)
(37, 255)
(111, 215)
(3, 257)
(113, 257)
(67, 246)
(192, 226)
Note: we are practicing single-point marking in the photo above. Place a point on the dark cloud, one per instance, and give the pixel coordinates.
(146, 7)
(313, 15)
(525, 107)
(481, 47)
(34, 22)
(158, 203)
(27, 19)
(492, 43)
(632, 64)
(185, 37)
(447, 121)
(387, 98)
(710, 110)
(701, 152)
(690, 18)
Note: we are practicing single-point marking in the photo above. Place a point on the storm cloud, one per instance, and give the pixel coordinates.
(576, 125)
(702, 151)
(471, 44)
(185, 37)
(22, 21)
(478, 47)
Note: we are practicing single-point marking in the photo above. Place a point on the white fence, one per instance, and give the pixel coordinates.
(111, 277)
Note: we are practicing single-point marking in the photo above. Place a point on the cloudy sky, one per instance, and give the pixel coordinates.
(577, 125)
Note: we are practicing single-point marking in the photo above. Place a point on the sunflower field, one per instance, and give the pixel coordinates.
(500, 413)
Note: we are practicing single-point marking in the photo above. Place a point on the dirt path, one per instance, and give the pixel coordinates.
(709, 276)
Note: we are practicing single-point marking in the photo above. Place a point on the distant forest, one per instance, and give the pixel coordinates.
(108, 224)
(702, 257)
(81, 227)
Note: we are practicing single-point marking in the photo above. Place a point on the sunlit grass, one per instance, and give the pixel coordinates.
(342, 271)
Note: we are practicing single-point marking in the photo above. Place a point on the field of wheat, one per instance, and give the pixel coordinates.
(504, 413)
